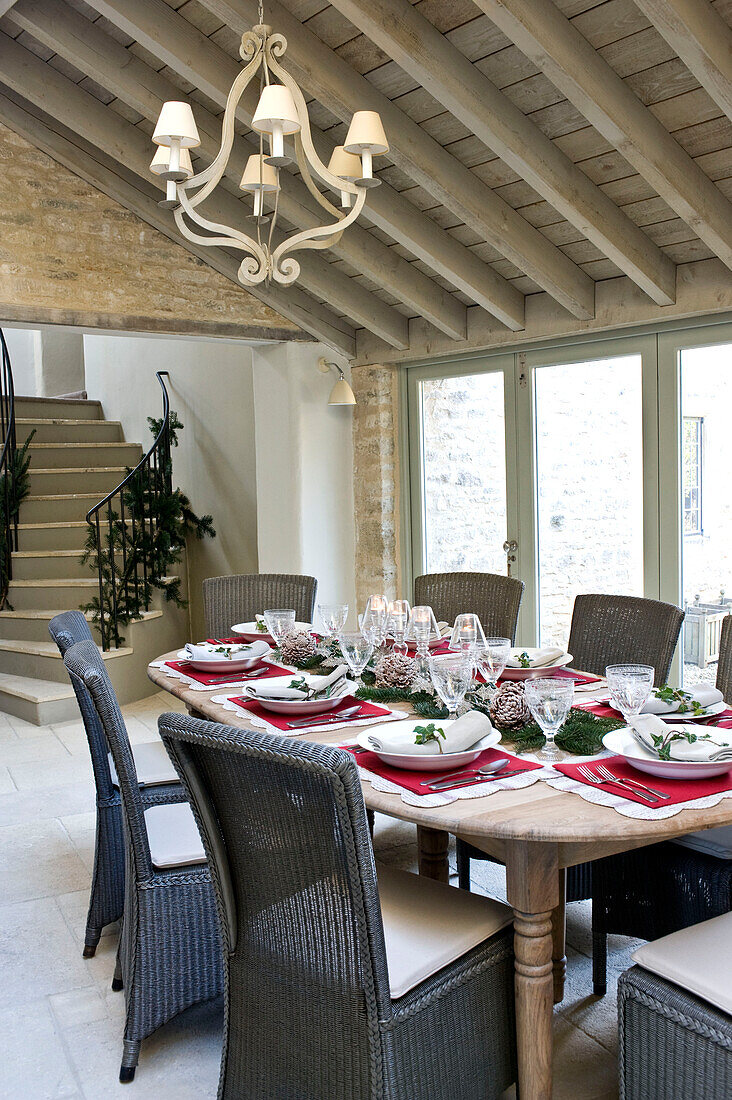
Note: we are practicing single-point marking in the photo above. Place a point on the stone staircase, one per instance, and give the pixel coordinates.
(76, 457)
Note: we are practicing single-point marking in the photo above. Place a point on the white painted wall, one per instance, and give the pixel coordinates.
(210, 388)
(24, 346)
(46, 362)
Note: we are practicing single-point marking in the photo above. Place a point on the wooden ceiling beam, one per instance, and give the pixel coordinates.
(95, 53)
(342, 90)
(183, 48)
(550, 40)
(701, 38)
(5, 6)
(61, 99)
(422, 51)
(142, 201)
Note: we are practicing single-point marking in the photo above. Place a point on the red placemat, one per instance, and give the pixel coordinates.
(681, 790)
(280, 721)
(212, 679)
(602, 710)
(412, 780)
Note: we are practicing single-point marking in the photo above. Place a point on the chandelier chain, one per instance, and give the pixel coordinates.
(261, 12)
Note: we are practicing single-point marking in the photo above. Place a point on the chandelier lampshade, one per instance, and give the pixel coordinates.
(281, 112)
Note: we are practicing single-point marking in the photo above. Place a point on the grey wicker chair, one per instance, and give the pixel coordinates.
(308, 1007)
(608, 630)
(495, 599)
(237, 599)
(170, 947)
(724, 666)
(605, 630)
(672, 1044)
(106, 899)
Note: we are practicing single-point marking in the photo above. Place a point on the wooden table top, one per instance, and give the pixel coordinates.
(538, 813)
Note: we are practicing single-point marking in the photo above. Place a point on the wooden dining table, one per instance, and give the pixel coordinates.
(537, 832)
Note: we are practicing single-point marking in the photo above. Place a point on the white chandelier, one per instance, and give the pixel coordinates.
(281, 112)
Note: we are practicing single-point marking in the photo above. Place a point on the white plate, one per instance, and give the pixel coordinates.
(298, 707)
(624, 744)
(708, 712)
(250, 633)
(236, 664)
(439, 762)
(537, 673)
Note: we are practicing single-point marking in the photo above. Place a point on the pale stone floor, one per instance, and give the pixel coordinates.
(61, 1023)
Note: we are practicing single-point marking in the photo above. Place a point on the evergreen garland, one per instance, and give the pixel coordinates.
(14, 487)
(127, 588)
(581, 734)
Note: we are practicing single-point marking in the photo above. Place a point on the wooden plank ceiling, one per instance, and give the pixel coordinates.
(536, 146)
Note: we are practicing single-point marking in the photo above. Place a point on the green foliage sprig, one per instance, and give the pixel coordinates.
(426, 734)
(581, 734)
(150, 550)
(685, 701)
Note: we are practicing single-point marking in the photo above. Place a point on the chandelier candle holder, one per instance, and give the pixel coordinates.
(281, 113)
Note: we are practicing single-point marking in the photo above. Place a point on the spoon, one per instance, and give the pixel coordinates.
(318, 720)
(487, 769)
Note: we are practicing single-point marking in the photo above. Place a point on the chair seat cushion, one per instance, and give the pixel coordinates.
(173, 836)
(699, 959)
(152, 764)
(428, 925)
(713, 842)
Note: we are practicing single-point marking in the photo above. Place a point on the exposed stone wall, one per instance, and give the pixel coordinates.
(65, 248)
(376, 481)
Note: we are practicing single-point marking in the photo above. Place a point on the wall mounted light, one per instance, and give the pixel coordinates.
(341, 394)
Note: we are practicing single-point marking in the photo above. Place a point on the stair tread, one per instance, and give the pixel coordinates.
(58, 400)
(34, 690)
(46, 553)
(67, 421)
(56, 582)
(63, 496)
(50, 649)
(58, 525)
(78, 470)
(34, 613)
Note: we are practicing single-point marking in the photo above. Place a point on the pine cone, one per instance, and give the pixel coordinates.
(395, 671)
(509, 710)
(297, 646)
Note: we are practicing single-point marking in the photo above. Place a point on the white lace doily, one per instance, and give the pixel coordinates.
(444, 798)
(194, 685)
(632, 809)
(262, 723)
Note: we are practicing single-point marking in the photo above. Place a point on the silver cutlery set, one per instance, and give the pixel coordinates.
(604, 777)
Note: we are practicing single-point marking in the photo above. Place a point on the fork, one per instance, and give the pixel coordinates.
(598, 781)
(607, 774)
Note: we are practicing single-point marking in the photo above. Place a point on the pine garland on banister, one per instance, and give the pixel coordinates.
(153, 552)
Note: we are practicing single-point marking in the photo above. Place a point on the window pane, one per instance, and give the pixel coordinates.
(590, 485)
(706, 462)
(464, 473)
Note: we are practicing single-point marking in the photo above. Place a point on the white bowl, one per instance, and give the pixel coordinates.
(250, 633)
(236, 664)
(624, 744)
(538, 673)
(437, 762)
(298, 707)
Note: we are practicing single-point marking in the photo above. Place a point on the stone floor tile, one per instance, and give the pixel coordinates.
(40, 749)
(6, 782)
(51, 773)
(81, 829)
(38, 860)
(35, 1064)
(74, 907)
(76, 1007)
(39, 955)
(48, 802)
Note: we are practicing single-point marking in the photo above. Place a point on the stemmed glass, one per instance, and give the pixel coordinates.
(630, 687)
(279, 622)
(357, 651)
(549, 701)
(467, 635)
(451, 675)
(373, 621)
(422, 626)
(492, 659)
(333, 617)
(397, 620)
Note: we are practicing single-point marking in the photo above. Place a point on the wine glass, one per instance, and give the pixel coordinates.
(630, 687)
(549, 700)
(467, 635)
(492, 659)
(279, 622)
(397, 620)
(451, 675)
(356, 649)
(333, 617)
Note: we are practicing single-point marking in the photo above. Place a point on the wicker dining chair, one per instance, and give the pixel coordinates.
(170, 947)
(238, 598)
(605, 629)
(159, 785)
(724, 665)
(313, 946)
(495, 599)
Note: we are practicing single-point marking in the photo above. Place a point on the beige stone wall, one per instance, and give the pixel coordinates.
(376, 482)
(68, 251)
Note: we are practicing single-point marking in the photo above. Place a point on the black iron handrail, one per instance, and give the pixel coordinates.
(7, 463)
(120, 528)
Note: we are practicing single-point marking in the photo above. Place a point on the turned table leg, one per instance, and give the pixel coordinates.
(432, 845)
(532, 881)
(559, 934)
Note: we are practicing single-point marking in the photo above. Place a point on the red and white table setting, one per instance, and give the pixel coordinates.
(254, 712)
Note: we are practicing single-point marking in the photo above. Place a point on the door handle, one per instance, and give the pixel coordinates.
(510, 547)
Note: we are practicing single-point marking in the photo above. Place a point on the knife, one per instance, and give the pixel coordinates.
(349, 713)
(471, 781)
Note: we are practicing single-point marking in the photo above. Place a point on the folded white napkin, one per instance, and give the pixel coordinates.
(278, 687)
(461, 735)
(444, 629)
(537, 657)
(705, 694)
(237, 652)
(708, 740)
